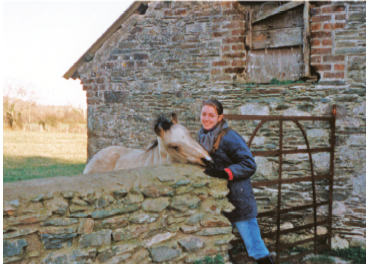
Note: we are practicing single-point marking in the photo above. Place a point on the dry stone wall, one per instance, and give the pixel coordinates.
(159, 214)
(179, 54)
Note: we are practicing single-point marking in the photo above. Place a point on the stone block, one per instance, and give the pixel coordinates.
(14, 247)
(192, 244)
(85, 226)
(22, 232)
(60, 222)
(215, 231)
(127, 246)
(129, 232)
(57, 205)
(188, 229)
(158, 238)
(142, 217)
(211, 220)
(184, 202)
(108, 213)
(163, 253)
(99, 238)
(155, 191)
(254, 109)
(339, 243)
(156, 204)
(72, 256)
(115, 222)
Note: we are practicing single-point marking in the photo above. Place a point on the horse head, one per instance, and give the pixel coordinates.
(178, 142)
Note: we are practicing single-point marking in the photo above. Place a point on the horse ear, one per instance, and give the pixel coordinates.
(158, 130)
(174, 118)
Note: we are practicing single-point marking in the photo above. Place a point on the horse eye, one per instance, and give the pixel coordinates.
(174, 147)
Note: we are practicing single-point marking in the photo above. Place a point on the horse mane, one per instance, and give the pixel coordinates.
(153, 145)
(163, 122)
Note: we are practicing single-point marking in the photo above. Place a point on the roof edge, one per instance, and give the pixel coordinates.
(88, 55)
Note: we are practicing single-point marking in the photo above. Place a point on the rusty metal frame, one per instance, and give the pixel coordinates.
(280, 152)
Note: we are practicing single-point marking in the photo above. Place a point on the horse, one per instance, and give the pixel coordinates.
(174, 144)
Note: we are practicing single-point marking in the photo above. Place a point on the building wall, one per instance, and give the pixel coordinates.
(179, 54)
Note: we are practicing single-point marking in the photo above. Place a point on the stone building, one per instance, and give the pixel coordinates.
(265, 58)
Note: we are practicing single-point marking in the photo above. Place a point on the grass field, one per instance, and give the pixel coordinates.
(30, 155)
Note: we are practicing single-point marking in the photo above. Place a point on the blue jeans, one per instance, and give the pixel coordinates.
(249, 231)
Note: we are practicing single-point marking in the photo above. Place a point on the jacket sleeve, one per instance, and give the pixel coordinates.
(237, 150)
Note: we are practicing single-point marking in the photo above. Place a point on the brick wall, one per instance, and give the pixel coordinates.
(179, 54)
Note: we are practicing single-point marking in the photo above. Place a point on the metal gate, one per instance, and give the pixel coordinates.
(278, 248)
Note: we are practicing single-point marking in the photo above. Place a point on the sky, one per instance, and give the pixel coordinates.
(43, 39)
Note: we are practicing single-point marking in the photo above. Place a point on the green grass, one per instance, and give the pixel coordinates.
(30, 155)
(356, 255)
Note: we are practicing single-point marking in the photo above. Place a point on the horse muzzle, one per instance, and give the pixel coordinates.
(208, 162)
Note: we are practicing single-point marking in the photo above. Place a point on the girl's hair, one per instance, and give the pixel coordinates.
(215, 104)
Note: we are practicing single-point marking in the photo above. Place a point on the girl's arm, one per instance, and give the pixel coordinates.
(237, 150)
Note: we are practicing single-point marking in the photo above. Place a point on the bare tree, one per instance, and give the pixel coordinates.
(17, 98)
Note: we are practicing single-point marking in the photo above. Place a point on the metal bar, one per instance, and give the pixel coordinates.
(279, 193)
(295, 229)
(313, 184)
(293, 209)
(332, 157)
(303, 254)
(276, 152)
(277, 117)
(289, 180)
(255, 132)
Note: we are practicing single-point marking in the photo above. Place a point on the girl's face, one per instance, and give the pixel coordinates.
(209, 117)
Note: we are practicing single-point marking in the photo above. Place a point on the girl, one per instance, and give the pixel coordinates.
(234, 162)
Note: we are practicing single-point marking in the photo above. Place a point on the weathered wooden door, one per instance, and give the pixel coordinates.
(274, 39)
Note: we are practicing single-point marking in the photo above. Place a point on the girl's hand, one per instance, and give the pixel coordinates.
(220, 173)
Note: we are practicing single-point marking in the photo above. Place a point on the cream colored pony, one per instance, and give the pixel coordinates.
(174, 144)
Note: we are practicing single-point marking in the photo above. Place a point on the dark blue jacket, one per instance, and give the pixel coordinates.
(233, 153)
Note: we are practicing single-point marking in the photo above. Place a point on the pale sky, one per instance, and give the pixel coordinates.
(43, 39)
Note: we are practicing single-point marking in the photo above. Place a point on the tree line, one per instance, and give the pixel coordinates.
(20, 109)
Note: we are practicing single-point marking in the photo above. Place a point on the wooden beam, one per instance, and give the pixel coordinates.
(306, 39)
(276, 38)
(88, 55)
(277, 10)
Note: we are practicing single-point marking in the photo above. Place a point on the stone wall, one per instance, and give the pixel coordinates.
(160, 214)
(179, 54)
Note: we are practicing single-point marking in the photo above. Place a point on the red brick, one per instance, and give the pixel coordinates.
(231, 12)
(238, 47)
(235, 55)
(238, 63)
(217, 34)
(239, 17)
(316, 59)
(333, 9)
(315, 10)
(315, 26)
(340, 17)
(234, 25)
(233, 40)
(226, 48)
(315, 42)
(238, 32)
(322, 67)
(333, 75)
(333, 26)
(321, 51)
(220, 63)
(180, 12)
(326, 42)
(321, 34)
(321, 18)
(225, 5)
(216, 71)
(333, 58)
(339, 67)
